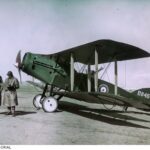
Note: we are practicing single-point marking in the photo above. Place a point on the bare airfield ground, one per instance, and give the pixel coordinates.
(77, 123)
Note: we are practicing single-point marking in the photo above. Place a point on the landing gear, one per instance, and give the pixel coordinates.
(49, 104)
(37, 101)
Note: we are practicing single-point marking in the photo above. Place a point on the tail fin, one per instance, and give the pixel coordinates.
(144, 93)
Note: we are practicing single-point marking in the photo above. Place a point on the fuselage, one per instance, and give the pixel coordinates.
(57, 72)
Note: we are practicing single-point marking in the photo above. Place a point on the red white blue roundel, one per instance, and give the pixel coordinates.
(103, 88)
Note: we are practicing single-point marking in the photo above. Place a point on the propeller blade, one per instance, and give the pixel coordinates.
(18, 60)
(18, 64)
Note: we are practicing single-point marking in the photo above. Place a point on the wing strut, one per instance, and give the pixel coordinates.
(116, 78)
(72, 71)
(96, 71)
(89, 78)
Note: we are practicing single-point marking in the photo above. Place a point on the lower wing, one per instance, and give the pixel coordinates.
(103, 98)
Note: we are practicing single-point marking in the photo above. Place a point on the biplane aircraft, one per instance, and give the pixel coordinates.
(60, 77)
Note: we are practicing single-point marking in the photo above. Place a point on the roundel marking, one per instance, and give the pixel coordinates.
(103, 88)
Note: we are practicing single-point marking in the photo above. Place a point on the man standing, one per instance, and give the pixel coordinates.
(10, 94)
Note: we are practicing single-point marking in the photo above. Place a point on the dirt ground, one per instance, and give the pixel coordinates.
(76, 123)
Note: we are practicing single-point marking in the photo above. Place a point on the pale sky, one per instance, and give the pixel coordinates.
(48, 26)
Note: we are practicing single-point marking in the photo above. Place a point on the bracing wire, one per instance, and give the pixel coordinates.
(105, 70)
(106, 74)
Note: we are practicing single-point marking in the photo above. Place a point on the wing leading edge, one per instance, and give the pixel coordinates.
(108, 51)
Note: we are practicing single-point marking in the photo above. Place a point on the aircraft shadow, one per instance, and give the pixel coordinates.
(128, 112)
(140, 113)
(116, 114)
(20, 113)
(107, 116)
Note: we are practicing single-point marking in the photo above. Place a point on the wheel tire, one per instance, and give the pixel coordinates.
(37, 101)
(49, 104)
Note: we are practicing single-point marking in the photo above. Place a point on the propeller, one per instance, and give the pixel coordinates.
(18, 64)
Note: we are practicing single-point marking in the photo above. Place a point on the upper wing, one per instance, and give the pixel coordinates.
(108, 51)
(102, 98)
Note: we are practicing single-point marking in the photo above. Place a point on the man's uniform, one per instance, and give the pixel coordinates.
(10, 94)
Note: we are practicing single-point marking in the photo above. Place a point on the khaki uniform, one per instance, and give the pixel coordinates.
(10, 94)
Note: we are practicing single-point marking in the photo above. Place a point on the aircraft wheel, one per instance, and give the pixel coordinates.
(37, 101)
(49, 104)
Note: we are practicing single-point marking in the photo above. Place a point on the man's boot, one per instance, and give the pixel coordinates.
(9, 111)
(13, 111)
